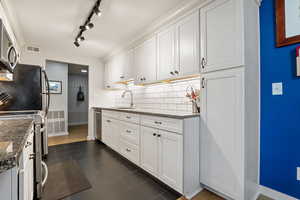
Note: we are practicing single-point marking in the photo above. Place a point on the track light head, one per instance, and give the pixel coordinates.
(97, 11)
(80, 38)
(88, 26)
(76, 43)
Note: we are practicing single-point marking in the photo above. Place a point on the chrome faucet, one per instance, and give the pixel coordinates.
(131, 96)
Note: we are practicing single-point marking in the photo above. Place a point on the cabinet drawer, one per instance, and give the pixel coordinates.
(110, 113)
(164, 123)
(129, 117)
(130, 132)
(131, 152)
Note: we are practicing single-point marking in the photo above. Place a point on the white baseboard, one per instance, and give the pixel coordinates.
(274, 194)
(58, 134)
(89, 138)
(190, 196)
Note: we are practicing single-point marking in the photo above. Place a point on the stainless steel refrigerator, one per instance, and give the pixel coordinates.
(27, 95)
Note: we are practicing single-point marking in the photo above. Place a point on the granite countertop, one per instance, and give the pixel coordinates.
(13, 134)
(160, 113)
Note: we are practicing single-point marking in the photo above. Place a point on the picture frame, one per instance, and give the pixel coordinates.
(287, 22)
(55, 87)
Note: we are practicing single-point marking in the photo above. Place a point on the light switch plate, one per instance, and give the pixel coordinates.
(277, 89)
(298, 173)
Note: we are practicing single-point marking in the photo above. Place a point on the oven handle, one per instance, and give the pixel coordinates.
(46, 173)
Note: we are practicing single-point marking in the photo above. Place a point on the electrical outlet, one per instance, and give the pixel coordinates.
(277, 89)
(298, 173)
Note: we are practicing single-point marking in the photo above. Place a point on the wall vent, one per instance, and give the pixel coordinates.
(35, 49)
(56, 123)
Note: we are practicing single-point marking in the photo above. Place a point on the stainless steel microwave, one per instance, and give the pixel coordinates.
(8, 53)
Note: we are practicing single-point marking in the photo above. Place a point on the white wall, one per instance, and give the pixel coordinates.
(59, 102)
(77, 110)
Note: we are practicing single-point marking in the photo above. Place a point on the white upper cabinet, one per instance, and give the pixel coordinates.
(166, 54)
(178, 49)
(221, 35)
(188, 45)
(108, 76)
(145, 62)
(123, 66)
(221, 138)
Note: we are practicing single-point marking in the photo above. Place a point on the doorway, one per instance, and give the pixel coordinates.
(67, 121)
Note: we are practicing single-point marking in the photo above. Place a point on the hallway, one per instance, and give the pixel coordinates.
(76, 134)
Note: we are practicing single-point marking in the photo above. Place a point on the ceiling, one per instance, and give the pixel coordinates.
(53, 25)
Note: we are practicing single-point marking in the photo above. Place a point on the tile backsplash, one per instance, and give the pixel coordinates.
(163, 96)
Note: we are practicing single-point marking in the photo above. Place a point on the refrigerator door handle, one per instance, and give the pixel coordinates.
(46, 173)
(47, 92)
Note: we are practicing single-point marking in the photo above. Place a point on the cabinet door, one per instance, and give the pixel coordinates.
(149, 146)
(170, 159)
(166, 54)
(221, 35)
(188, 45)
(145, 62)
(222, 132)
(106, 131)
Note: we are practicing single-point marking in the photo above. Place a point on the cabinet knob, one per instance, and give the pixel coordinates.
(121, 77)
(128, 150)
(108, 121)
(176, 72)
(154, 134)
(158, 135)
(31, 156)
(128, 131)
(172, 73)
(107, 86)
(128, 117)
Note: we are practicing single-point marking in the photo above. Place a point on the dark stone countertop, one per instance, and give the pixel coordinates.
(15, 132)
(159, 113)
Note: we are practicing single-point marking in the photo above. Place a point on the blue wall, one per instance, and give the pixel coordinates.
(280, 115)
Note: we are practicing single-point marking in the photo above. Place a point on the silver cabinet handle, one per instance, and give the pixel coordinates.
(108, 121)
(107, 86)
(203, 63)
(128, 131)
(121, 77)
(156, 122)
(128, 117)
(32, 156)
(203, 83)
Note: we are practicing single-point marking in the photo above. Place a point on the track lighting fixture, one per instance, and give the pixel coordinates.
(98, 11)
(79, 39)
(76, 44)
(88, 24)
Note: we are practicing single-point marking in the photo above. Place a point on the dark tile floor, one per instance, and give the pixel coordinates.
(111, 176)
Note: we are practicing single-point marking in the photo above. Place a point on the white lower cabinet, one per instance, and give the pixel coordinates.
(222, 133)
(167, 148)
(111, 133)
(170, 159)
(149, 150)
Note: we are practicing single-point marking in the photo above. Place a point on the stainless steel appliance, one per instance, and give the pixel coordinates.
(98, 124)
(8, 54)
(28, 96)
